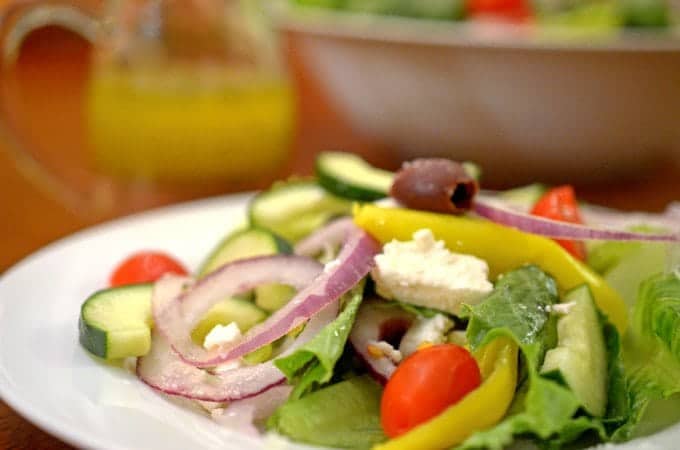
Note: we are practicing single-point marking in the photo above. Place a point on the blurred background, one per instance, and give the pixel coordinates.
(112, 107)
(128, 118)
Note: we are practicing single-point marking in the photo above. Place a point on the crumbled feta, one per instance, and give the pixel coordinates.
(423, 272)
(221, 335)
(331, 265)
(382, 349)
(560, 308)
(425, 331)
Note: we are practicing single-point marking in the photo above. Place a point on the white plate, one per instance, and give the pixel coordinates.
(48, 378)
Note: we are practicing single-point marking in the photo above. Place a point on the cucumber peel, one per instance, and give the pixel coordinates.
(580, 358)
(349, 176)
(294, 209)
(116, 323)
(243, 244)
(232, 309)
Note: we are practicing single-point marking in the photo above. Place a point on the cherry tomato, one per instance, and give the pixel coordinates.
(515, 10)
(560, 204)
(425, 384)
(144, 267)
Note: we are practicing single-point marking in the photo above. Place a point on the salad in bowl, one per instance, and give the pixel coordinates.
(408, 310)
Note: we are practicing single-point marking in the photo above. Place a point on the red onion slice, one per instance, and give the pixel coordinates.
(164, 370)
(242, 414)
(176, 322)
(331, 235)
(377, 321)
(182, 315)
(601, 216)
(496, 211)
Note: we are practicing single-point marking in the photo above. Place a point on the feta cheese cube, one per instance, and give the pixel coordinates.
(425, 331)
(382, 349)
(221, 335)
(561, 309)
(425, 273)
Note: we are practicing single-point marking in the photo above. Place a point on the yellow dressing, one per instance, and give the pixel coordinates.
(182, 123)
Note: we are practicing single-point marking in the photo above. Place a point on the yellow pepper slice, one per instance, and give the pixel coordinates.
(503, 248)
(479, 410)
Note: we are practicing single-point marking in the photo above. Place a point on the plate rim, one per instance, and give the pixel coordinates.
(26, 409)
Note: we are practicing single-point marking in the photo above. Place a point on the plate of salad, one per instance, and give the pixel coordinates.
(357, 309)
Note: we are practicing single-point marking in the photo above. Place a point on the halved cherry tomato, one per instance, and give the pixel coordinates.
(515, 10)
(144, 267)
(560, 204)
(425, 384)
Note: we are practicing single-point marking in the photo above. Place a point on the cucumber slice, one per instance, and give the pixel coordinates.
(244, 244)
(347, 175)
(649, 258)
(524, 196)
(247, 244)
(271, 297)
(260, 355)
(243, 312)
(296, 208)
(580, 357)
(116, 323)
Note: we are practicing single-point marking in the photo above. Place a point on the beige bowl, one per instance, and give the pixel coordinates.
(521, 105)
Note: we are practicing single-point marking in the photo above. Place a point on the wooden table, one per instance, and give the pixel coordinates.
(56, 62)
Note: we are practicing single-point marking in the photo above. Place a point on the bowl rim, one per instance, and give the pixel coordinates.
(487, 34)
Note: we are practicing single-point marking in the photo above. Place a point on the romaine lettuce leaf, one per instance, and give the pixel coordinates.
(417, 310)
(543, 407)
(313, 363)
(652, 348)
(346, 415)
(517, 308)
(625, 265)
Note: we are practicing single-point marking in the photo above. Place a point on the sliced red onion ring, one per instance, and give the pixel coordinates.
(496, 211)
(242, 414)
(182, 315)
(164, 370)
(606, 217)
(331, 235)
(377, 321)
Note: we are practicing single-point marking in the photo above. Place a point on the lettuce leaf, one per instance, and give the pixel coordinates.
(543, 408)
(313, 363)
(417, 310)
(346, 415)
(652, 349)
(605, 255)
(625, 265)
(517, 308)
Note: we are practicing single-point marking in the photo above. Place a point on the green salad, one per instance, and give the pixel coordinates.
(411, 310)
(603, 14)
